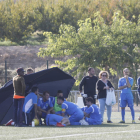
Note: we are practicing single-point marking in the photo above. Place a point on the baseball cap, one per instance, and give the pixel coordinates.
(20, 69)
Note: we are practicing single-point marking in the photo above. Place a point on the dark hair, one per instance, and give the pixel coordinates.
(89, 99)
(61, 98)
(90, 68)
(30, 69)
(34, 89)
(46, 92)
(59, 91)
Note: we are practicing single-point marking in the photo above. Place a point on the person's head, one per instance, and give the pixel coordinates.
(103, 75)
(126, 71)
(20, 71)
(89, 101)
(91, 71)
(46, 95)
(59, 93)
(34, 90)
(30, 71)
(60, 100)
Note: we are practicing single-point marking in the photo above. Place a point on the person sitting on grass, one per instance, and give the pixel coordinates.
(56, 120)
(92, 114)
(71, 109)
(45, 106)
(30, 106)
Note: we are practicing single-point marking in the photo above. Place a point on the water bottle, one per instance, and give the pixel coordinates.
(33, 124)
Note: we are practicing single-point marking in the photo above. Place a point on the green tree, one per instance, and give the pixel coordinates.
(111, 47)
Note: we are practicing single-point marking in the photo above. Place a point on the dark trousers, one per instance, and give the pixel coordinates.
(28, 117)
(18, 106)
(84, 100)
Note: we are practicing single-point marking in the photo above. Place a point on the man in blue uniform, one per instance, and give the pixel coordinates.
(30, 106)
(92, 113)
(71, 109)
(45, 106)
(56, 120)
(125, 83)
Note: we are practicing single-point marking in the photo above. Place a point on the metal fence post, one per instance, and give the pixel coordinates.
(118, 101)
(75, 97)
(47, 64)
(5, 71)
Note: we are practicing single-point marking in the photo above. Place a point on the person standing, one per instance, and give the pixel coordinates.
(19, 95)
(30, 71)
(89, 83)
(125, 83)
(103, 85)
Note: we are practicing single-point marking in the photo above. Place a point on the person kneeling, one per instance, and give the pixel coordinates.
(92, 114)
(45, 106)
(71, 109)
(56, 120)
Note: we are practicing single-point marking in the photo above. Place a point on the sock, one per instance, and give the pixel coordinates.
(132, 112)
(123, 114)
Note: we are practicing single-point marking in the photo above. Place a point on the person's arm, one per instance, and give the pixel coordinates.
(23, 85)
(35, 107)
(40, 109)
(120, 86)
(138, 82)
(88, 111)
(34, 99)
(63, 110)
(81, 84)
(48, 112)
(100, 86)
(127, 82)
(51, 106)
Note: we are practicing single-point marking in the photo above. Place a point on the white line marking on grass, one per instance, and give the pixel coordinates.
(63, 136)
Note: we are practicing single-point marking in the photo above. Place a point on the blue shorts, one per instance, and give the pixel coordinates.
(53, 119)
(124, 103)
(126, 99)
(93, 121)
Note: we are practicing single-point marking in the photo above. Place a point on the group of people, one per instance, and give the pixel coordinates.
(56, 111)
(91, 83)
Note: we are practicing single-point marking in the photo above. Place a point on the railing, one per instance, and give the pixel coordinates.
(73, 96)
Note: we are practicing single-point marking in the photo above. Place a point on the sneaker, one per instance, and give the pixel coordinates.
(83, 122)
(11, 122)
(59, 125)
(122, 121)
(133, 121)
(109, 122)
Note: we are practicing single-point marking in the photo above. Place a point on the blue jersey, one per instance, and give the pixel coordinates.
(29, 102)
(84, 108)
(44, 105)
(126, 92)
(70, 108)
(94, 112)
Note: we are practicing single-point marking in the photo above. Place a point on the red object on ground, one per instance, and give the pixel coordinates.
(9, 123)
(59, 125)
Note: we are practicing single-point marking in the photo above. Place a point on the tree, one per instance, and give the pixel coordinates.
(111, 47)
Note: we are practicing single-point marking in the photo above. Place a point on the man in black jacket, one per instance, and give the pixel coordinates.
(89, 83)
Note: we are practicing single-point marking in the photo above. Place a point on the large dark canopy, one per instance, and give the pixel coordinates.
(50, 80)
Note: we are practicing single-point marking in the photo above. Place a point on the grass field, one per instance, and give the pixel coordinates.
(114, 131)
